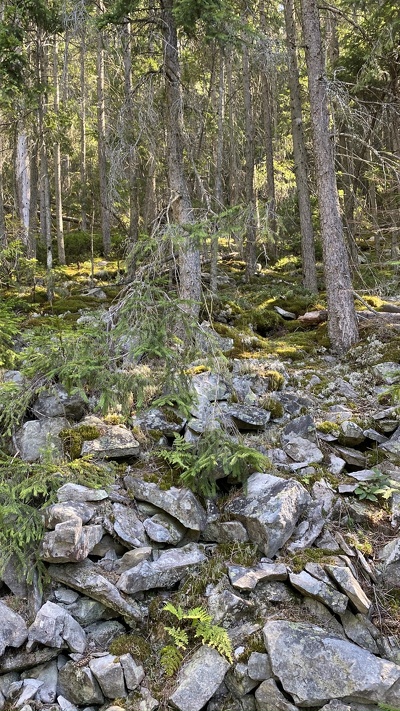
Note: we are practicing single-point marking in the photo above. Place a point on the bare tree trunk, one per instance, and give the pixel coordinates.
(57, 162)
(181, 206)
(132, 157)
(150, 199)
(233, 183)
(33, 207)
(251, 229)
(342, 319)
(218, 172)
(3, 230)
(45, 211)
(83, 167)
(102, 157)
(268, 124)
(22, 176)
(300, 155)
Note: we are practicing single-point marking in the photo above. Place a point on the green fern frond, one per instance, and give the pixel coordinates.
(198, 613)
(215, 637)
(171, 659)
(176, 611)
(179, 636)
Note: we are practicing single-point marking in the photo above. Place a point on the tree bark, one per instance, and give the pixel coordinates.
(83, 169)
(132, 157)
(180, 203)
(57, 163)
(300, 155)
(342, 320)
(22, 176)
(251, 227)
(101, 145)
(268, 125)
(45, 208)
(3, 230)
(218, 191)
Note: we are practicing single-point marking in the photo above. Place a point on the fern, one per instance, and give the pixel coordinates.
(177, 611)
(171, 659)
(215, 637)
(179, 637)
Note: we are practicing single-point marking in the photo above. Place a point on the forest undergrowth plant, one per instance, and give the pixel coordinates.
(214, 455)
(380, 487)
(194, 624)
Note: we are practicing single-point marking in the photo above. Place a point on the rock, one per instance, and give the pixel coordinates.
(13, 630)
(302, 426)
(85, 578)
(351, 456)
(269, 509)
(375, 436)
(285, 314)
(238, 681)
(64, 511)
(221, 604)
(54, 627)
(86, 611)
(318, 590)
(312, 318)
(48, 675)
(391, 552)
(65, 705)
(133, 673)
(388, 373)
(170, 567)
(246, 417)
(77, 684)
(209, 386)
(108, 672)
(243, 578)
(179, 503)
(162, 528)
(199, 680)
(101, 634)
(56, 402)
(225, 532)
(20, 661)
(363, 475)
(302, 450)
(350, 586)
(209, 341)
(351, 434)
(70, 541)
(165, 421)
(22, 691)
(259, 667)
(96, 293)
(148, 703)
(336, 464)
(79, 493)
(116, 443)
(38, 436)
(269, 697)
(357, 630)
(335, 668)
(132, 558)
(128, 526)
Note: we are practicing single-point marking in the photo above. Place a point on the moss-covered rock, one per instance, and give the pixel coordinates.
(74, 437)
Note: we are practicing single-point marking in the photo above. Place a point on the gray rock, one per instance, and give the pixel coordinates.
(66, 705)
(22, 691)
(163, 528)
(170, 567)
(351, 434)
(259, 667)
(128, 526)
(363, 475)
(148, 702)
(77, 684)
(54, 627)
(132, 558)
(269, 509)
(336, 464)
(13, 630)
(133, 673)
(209, 341)
(20, 661)
(269, 697)
(210, 386)
(375, 436)
(388, 373)
(238, 680)
(243, 578)
(48, 675)
(302, 450)
(179, 503)
(221, 604)
(6, 681)
(85, 578)
(246, 417)
(70, 541)
(335, 668)
(101, 634)
(302, 426)
(225, 532)
(318, 590)
(357, 630)
(38, 436)
(56, 402)
(199, 680)
(64, 511)
(166, 421)
(116, 443)
(109, 673)
(351, 456)
(86, 611)
(77, 492)
(391, 552)
(350, 586)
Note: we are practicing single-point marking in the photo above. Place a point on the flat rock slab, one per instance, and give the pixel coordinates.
(170, 567)
(302, 450)
(77, 492)
(18, 661)
(128, 526)
(247, 578)
(246, 417)
(225, 532)
(346, 581)
(269, 508)
(351, 456)
(199, 680)
(318, 590)
(85, 578)
(165, 421)
(116, 443)
(315, 667)
(13, 629)
(55, 627)
(179, 503)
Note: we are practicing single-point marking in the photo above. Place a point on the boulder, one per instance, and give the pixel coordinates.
(55, 627)
(20, 692)
(302, 426)
(351, 434)
(64, 511)
(79, 493)
(259, 667)
(302, 450)
(318, 590)
(166, 421)
(246, 417)
(78, 685)
(179, 503)
(70, 541)
(246, 579)
(269, 508)
(225, 532)
(109, 673)
(346, 581)
(163, 528)
(167, 570)
(129, 527)
(388, 373)
(269, 697)
(56, 402)
(117, 442)
(133, 673)
(38, 436)
(48, 675)
(199, 680)
(13, 630)
(334, 668)
(357, 628)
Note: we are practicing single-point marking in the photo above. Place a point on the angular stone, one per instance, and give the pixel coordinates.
(391, 552)
(199, 680)
(116, 443)
(77, 684)
(357, 630)
(77, 492)
(128, 526)
(238, 680)
(318, 590)
(221, 604)
(163, 528)
(86, 611)
(350, 586)
(48, 675)
(179, 503)
(388, 373)
(55, 627)
(269, 509)
(56, 402)
(132, 558)
(225, 532)
(269, 697)
(85, 578)
(101, 634)
(351, 434)
(61, 512)
(209, 341)
(302, 426)
(167, 570)
(375, 436)
(70, 541)
(351, 456)
(247, 578)
(259, 667)
(22, 691)
(246, 417)
(108, 672)
(165, 421)
(13, 629)
(363, 475)
(302, 450)
(335, 668)
(336, 464)
(210, 385)
(20, 661)
(133, 673)
(38, 436)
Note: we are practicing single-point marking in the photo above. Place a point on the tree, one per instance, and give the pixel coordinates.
(342, 319)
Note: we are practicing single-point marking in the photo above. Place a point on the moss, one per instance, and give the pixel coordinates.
(74, 437)
(133, 644)
(328, 427)
(273, 406)
(72, 304)
(197, 369)
(298, 561)
(276, 379)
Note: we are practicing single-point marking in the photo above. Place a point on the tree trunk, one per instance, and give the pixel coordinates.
(33, 206)
(268, 125)
(3, 230)
(218, 192)
(83, 169)
(251, 228)
(57, 163)
(300, 155)
(342, 320)
(101, 145)
(22, 175)
(180, 203)
(132, 157)
(45, 209)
